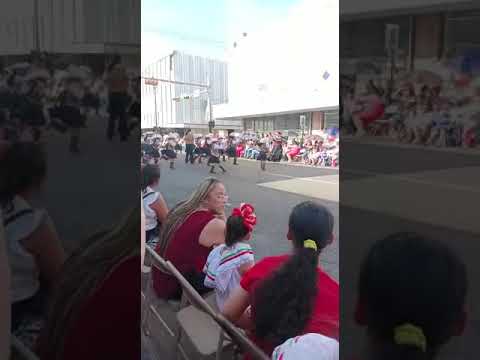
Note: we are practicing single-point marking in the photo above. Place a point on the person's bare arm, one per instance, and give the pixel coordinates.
(4, 296)
(213, 233)
(47, 249)
(161, 209)
(245, 267)
(237, 310)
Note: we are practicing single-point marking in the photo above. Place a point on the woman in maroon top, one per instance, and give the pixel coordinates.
(190, 231)
(290, 295)
(96, 310)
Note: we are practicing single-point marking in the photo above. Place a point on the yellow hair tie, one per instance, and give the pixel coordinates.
(412, 335)
(310, 244)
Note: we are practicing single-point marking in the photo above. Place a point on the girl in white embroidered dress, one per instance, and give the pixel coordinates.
(228, 262)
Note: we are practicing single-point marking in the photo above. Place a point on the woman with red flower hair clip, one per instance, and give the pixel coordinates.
(228, 262)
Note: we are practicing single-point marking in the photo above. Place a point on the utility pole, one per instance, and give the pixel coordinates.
(154, 83)
(211, 123)
(156, 112)
(303, 119)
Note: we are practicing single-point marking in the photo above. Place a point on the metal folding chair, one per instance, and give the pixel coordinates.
(198, 320)
(148, 297)
(238, 337)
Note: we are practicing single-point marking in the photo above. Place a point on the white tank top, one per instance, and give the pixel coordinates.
(20, 222)
(149, 197)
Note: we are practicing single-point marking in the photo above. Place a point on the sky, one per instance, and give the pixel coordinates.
(289, 59)
(292, 64)
(207, 28)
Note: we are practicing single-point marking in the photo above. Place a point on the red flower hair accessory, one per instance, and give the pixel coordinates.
(247, 212)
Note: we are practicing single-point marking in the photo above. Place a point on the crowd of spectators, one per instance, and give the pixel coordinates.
(423, 107)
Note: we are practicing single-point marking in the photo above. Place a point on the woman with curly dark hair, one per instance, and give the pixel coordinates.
(290, 295)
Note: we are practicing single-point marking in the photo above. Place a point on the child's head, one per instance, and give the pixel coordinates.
(240, 224)
(411, 296)
(308, 346)
(284, 303)
(25, 168)
(310, 221)
(150, 176)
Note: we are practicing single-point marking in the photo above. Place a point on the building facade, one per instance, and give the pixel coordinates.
(285, 71)
(71, 27)
(192, 86)
(428, 31)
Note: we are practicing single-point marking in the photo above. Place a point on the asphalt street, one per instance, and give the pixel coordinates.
(273, 193)
(90, 191)
(93, 190)
(387, 188)
(383, 189)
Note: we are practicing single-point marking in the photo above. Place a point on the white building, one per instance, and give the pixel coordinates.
(70, 26)
(200, 79)
(286, 70)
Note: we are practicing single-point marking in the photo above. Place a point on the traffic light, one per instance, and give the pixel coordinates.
(211, 125)
(182, 97)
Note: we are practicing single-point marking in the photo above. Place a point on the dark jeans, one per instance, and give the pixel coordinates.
(31, 308)
(189, 152)
(118, 112)
(151, 235)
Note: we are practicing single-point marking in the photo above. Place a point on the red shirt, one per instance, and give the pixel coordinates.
(108, 325)
(325, 317)
(294, 151)
(185, 252)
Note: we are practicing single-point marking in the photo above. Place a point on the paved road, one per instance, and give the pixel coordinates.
(273, 193)
(91, 191)
(385, 189)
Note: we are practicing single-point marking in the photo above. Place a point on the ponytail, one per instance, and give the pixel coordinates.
(405, 320)
(240, 223)
(284, 302)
